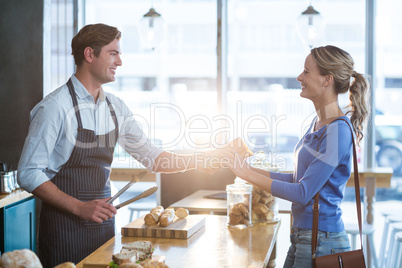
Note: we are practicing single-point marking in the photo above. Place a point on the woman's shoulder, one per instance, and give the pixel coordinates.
(342, 124)
(341, 128)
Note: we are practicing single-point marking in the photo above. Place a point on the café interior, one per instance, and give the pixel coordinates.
(197, 73)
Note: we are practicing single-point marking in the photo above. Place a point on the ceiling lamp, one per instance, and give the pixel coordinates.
(152, 28)
(310, 26)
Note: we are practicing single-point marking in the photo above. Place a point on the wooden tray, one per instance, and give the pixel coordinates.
(102, 261)
(179, 228)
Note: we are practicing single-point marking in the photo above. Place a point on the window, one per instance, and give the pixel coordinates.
(265, 56)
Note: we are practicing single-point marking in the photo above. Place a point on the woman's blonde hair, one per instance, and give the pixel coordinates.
(334, 61)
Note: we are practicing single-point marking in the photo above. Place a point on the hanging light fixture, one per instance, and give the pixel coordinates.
(152, 28)
(310, 26)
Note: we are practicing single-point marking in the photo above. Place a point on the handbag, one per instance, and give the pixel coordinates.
(348, 259)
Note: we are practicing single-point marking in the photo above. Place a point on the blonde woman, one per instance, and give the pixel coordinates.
(323, 156)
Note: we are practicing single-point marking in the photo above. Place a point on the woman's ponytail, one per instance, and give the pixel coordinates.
(358, 103)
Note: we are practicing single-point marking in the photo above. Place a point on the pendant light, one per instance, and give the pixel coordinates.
(152, 28)
(310, 26)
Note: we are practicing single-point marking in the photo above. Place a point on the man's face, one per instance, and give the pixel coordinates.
(104, 67)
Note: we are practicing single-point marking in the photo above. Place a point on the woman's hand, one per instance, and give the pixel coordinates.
(241, 168)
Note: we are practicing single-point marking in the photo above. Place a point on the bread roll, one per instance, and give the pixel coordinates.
(66, 265)
(260, 208)
(166, 217)
(240, 147)
(20, 258)
(125, 257)
(181, 213)
(130, 265)
(153, 264)
(144, 246)
(152, 217)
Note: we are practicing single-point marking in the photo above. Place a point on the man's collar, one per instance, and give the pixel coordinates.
(82, 92)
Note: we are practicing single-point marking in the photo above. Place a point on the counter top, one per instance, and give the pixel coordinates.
(13, 197)
(214, 245)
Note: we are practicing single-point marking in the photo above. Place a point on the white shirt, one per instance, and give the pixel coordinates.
(53, 131)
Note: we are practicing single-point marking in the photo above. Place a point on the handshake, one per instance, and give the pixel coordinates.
(231, 154)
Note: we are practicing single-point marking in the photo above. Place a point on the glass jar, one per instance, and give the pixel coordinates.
(264, 207)
(239, 204)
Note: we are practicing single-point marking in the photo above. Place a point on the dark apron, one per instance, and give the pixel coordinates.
(63, 236)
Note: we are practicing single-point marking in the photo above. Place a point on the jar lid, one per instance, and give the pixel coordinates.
(239, 185)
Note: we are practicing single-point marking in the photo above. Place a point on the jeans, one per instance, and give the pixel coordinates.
(299, 253)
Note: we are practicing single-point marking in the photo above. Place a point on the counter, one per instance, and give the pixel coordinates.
(13, 197)
(18, 225)
(214, 245)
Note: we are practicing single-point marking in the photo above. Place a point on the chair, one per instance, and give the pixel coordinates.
(390, 217)
(368, 231)
(396, 254)
(393, 243)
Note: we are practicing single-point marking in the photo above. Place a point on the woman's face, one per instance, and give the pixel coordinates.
(311, 81)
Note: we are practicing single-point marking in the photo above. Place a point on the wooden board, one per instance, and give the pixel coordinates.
(179, 228)
(102, 262)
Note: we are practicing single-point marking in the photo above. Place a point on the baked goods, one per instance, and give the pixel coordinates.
(263, 206)
(166, 217)
(130, 265)
(240, 147)
(144, 249)
(152, 217)
(22, 258)
(65, 265)
(136, 254)
(239, 214)
(153, 264)
(181, 213)
(130, 256)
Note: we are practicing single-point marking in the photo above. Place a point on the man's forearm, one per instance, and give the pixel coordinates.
(168, 162)
(51, 194)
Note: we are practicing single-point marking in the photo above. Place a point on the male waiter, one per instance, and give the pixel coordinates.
(69, 150)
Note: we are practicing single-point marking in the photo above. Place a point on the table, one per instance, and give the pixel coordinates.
(214, 245)
(197, 203)
(13, 197)
(369, 179)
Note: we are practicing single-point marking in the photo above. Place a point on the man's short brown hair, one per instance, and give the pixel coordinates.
(95, 36)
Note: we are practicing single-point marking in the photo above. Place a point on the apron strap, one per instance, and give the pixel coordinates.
(75, 103)
(112, 112)
(77, 111)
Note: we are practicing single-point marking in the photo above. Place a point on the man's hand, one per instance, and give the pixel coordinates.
(96, 210)
(235, 151)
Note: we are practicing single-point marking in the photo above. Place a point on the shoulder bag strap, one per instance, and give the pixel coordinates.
(316, 205)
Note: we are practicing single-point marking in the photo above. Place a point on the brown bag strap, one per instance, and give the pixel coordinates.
(316, 206)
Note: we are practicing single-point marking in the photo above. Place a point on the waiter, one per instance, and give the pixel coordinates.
(69, 150)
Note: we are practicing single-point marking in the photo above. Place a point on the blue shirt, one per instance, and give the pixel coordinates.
(53, 131)
(325, 170)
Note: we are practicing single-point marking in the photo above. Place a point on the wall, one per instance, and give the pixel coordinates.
(21, 72)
